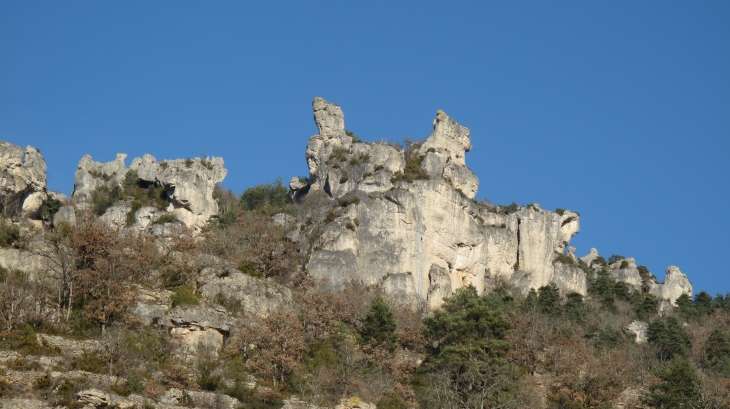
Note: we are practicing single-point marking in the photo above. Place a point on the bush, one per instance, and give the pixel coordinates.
(184, 296)
(565, 259)
(391, 401)
(9, 234)
(249, 268)
(271, 194)
(133, 384)
(165, 219)
(346, 201)
(50, 208)
(615, 258)
(90, 362)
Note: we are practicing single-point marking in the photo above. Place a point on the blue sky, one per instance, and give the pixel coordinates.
(618, 110)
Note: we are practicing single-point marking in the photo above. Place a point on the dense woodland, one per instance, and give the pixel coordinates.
(496, 350)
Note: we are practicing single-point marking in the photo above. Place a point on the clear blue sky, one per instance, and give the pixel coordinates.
(618, 110)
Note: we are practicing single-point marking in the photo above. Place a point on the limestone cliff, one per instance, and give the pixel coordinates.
(188, 185)
(405, 219)
(22, 181)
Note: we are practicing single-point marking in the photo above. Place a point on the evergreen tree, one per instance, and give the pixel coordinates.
(680, 387)
(379, 323)
(671, 339)
(548, 300)
(574, 307)
(686, 307)
(704, 304)
(717, 352)
(466, 352)
(530, 303)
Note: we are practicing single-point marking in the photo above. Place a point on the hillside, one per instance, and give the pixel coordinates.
(375, 281)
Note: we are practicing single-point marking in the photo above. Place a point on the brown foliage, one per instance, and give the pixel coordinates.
(254, 238)
(272, 347)
(105, 266)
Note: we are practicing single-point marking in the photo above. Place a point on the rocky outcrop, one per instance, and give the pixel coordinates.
(405, 219)
(255, 297)
(22, 181)
(625, 270)
(188, 185)
(675, 284)
(638, 328)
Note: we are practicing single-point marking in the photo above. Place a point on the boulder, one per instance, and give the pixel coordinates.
(94, 397)
(22, 181)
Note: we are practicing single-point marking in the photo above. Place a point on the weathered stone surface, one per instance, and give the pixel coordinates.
(592, 255)
(354, 403)
(91, 174)
(66, 214)
(175, 396)
(24, 404)
(638, 328)
(94, 397)
(188, 185)
(22, 180)
(675, 284)
(71, 347)
(427, 238)
(152, 305)
(256, 296)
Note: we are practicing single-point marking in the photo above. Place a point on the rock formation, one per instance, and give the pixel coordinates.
(406, 219)
(188, 184)
(22, 181)
(675, 283)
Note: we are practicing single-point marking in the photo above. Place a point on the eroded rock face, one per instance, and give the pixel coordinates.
(638, 328)
(22, 181)
(675, 284)
(423, 238)
(188, 185)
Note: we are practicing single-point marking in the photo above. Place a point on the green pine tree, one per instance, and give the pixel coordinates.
(466, 352)
(379, 324)
(680, 387)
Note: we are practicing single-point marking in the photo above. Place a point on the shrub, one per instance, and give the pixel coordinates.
(90, 362)
(344, 177)
(165, 219)
(272, 194)
(330, 217)
(346, 201)
(9, 234)
(564, 258)
(50, 208)
(133, 384)
(615, 258)
(624, 264)
(560, 211)
(391, 401)
(249, 268)
(184, 296)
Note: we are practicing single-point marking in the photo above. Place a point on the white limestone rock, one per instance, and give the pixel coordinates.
(94, 397)
(675, 284)
(423, 239)
(22, 180)
(638, 328)
(188, 185)
(66, 214)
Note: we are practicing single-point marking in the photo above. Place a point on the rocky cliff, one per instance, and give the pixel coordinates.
(22, 181)
(188, 187)
(406, 219)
